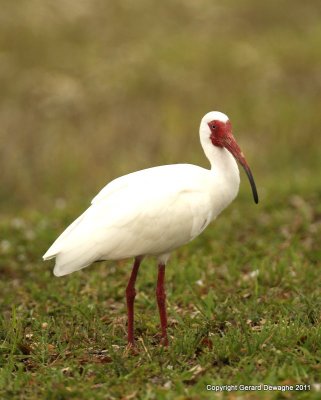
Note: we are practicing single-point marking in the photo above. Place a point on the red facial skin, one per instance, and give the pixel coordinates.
(221, 136)
(219, 130)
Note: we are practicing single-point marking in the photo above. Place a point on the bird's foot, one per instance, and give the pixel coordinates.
(131, 348)
(164, 341)
(160, 340)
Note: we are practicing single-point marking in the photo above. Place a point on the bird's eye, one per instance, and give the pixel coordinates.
(213, 126)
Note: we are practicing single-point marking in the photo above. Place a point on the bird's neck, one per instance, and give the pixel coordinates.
(223, 165)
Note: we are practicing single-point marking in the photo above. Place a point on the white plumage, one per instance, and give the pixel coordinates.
(151, 212)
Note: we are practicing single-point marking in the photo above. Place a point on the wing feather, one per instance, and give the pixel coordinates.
(148, 212)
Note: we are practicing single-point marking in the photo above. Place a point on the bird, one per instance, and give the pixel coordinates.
(154, 211)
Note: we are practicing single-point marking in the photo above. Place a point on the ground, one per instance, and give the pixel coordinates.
(243, 303)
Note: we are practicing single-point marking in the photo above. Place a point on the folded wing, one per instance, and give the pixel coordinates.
(148, 212)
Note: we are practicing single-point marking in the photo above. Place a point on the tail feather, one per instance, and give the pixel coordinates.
(74, 259)
(58, 244)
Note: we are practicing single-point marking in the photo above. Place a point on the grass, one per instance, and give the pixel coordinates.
(93, 90)
(243, 300)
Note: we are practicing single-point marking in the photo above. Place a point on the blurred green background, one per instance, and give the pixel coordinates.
(91, 90)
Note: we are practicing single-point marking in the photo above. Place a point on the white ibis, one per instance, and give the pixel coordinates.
(154, 211)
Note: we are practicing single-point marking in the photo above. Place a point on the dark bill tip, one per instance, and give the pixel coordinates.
(253, 186)
(231, 145)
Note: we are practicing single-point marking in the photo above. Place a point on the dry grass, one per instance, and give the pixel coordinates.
(92, 90)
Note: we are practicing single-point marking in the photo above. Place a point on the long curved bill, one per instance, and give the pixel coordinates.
(231, 145)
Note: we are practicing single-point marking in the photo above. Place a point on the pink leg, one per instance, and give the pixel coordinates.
(130, 297)
(161, 301)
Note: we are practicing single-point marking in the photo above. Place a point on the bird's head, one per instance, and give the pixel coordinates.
(216, 128)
